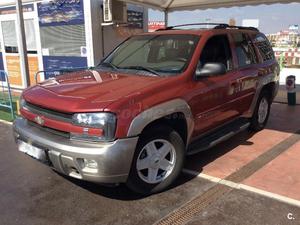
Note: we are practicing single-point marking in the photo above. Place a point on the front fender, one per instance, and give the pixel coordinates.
(159, 111)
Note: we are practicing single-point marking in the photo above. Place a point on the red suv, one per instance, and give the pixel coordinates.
(155, 99)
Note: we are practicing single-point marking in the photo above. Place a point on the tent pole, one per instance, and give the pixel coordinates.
(23, 47)
(166, 13)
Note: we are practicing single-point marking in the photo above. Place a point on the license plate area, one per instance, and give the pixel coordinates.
(33, 151)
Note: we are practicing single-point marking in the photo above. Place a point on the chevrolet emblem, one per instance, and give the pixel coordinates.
(39, 120)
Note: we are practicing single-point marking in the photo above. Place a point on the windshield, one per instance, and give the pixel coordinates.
(153, 55)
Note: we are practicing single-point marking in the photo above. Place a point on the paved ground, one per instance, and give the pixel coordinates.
(263, 170)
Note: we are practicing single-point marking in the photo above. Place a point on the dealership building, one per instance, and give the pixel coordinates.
(64, 34)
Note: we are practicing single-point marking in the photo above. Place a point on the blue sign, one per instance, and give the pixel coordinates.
(54, 64)
(61, 12)
(2, 78)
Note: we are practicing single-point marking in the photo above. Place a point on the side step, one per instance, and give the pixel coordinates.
(217, 136)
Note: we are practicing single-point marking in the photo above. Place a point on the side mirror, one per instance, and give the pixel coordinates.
(211, 69)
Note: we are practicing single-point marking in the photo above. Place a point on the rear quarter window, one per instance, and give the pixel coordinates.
(264, 47)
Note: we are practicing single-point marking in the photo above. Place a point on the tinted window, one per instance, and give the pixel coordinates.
(244, 50)
(264, 47)
(217, 50)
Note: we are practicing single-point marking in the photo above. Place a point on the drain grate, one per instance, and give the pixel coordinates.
(194, 207)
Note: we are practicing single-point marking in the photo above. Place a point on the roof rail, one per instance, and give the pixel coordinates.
(217, 26)
(226, 26)
(192, 24)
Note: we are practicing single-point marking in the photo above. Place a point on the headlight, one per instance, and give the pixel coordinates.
(104, 122)
(22, 102)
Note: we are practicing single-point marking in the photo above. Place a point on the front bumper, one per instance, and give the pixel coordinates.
(114, 159)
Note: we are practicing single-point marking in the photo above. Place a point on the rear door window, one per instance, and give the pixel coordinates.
(264, 47)
(244, 50)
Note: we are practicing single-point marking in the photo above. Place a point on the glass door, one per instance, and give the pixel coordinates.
(11, 52)
(31, 48)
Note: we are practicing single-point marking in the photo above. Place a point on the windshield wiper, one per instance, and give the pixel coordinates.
(141, 68)
(108, 64)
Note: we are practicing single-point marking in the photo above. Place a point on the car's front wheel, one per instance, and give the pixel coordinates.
(158, 160)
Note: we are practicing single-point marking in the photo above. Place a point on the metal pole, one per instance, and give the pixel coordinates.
(166, 17)
(23, 47)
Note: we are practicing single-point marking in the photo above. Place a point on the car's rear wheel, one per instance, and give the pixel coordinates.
(158, 160)
(262, 112)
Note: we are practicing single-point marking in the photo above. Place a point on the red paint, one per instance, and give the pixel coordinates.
(213, 100)
(54, 124)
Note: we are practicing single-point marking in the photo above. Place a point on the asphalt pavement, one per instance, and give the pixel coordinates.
(32, 194)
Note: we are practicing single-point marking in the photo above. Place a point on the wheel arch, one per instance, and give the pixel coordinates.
(270, 83)
(175, 113)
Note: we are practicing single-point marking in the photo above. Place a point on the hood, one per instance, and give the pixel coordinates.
(86, 91)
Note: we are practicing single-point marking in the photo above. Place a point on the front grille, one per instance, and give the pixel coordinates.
(51, 114)
(50, 130)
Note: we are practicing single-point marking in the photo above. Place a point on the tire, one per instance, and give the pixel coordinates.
(149, 156)
(262, 112)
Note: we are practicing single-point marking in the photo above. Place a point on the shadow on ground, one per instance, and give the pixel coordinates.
(279, 121)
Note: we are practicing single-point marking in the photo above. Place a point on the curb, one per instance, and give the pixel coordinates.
(6, 122)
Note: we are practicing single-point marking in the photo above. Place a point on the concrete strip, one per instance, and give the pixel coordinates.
(6, 122)
(239, 186)
(280, 198)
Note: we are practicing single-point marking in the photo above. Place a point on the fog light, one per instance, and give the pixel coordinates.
(90, 163)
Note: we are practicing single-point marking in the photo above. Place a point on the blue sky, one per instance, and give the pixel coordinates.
(272, 18)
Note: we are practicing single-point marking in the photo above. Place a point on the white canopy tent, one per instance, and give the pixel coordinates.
(177, 5)
(164, 5)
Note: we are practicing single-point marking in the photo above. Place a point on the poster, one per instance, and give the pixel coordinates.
(14, 70)
(61, 12)
(54, 64)
(155, 25)
(33, 68)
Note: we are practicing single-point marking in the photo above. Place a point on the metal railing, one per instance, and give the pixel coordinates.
(6, 101)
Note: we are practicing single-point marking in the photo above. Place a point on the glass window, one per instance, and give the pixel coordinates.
(10, 36)
(244, 50)
(217, 50)
(161, 54)
(66, 40)
(30, 36)
(264, 47)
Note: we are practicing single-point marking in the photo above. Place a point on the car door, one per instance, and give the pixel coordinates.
(210, 96)
(243, 86)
